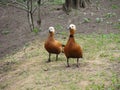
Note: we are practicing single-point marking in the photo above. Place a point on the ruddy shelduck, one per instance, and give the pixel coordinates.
(51, 45)
(72, 49)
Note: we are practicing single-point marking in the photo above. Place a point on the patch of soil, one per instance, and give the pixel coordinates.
(15, 32)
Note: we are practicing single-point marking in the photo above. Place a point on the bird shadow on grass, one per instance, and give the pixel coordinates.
(60, 65)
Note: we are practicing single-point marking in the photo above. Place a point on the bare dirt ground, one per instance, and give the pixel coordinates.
(14, 31)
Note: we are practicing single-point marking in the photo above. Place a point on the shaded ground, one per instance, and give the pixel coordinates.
(14, 31)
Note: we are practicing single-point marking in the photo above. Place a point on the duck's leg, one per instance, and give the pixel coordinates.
(49, 60)
(68, 62)
(77, 62)
(56, 57)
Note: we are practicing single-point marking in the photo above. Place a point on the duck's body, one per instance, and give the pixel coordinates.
(72, 49)
(53, 46)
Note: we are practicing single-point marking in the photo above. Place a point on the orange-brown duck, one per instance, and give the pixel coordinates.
(72, 49)
(53, 46)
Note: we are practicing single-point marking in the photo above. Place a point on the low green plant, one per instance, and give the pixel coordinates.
(115, 58)
(117, 26)
(4, 1)
(98, 20)
(109, 15)
(115, 82)
(36, 30)
(57, 2)
(3, 86)
(5, 32)
(98, 4)
(115, 6)
(109, 23)
(59, 27)
(86, 20)
(94, 86)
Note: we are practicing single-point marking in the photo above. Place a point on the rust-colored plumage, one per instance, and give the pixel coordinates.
(51, 45)
(72, 49)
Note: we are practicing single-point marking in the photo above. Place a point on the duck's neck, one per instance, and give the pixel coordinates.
(51, 36)
(71, 37)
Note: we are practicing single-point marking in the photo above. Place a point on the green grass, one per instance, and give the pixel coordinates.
(117, 25)
(59, 27)
(115, 6)
(109, 15)
(27, 68)
(36, 30)
(98, 20)
(57, 2)
(86, 20)
(5, 32)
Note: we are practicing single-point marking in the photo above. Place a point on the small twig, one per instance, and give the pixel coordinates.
(34, 10)
(19, 4)
(9, 4)
(43, 2)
